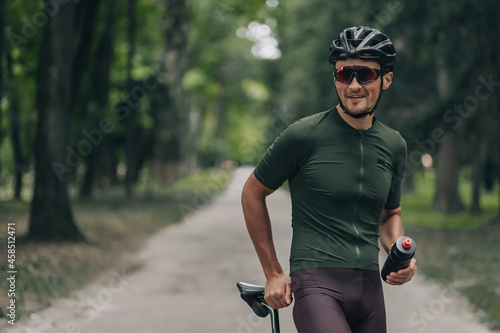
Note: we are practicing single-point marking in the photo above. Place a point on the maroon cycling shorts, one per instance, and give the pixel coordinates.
(338, 300)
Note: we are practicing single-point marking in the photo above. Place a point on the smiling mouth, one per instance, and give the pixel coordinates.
(355, 97)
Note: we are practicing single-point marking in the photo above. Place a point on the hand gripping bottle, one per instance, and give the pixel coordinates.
(400, 256)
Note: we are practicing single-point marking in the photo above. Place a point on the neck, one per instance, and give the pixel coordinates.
(360, 124)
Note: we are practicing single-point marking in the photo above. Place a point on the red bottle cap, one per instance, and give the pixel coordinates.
(407, 243)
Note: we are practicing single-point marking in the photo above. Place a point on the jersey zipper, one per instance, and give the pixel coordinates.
(354, 222)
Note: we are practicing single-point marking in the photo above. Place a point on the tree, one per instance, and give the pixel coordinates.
(2, 30)
(169, 126)
(19, 62)
(15, 122)
(51, 216)
(228, 89)
(447, 196)
(439, 70)
(100, 94)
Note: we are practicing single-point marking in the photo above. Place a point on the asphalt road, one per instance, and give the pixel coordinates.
(183, 280)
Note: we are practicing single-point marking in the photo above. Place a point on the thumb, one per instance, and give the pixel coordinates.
(288, 293)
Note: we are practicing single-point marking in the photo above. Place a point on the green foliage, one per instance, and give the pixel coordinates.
(231, 97)
(194, 79)
(226, 83)
(247, 134)
(255, 90)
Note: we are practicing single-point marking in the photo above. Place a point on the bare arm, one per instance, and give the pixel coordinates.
(390, 230)
(258, 222)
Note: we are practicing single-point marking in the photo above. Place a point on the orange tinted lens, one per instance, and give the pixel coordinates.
(344, 74)
(366, 74)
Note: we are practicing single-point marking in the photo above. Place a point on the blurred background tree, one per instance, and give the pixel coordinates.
(157, 88)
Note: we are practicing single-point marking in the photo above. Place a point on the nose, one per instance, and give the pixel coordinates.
(354, 85)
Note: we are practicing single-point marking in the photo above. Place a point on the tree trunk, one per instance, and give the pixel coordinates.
(498, 174)
(90, 179)
(171, 130)
(498, 214)
(475, 208)
(130, 126)
(447, 197)
(2, 31)
(165, 146)
(100, 84)
(51, 218)
(14, 111)
(86, 14)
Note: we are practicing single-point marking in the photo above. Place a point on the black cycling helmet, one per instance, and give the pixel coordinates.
(364, 43)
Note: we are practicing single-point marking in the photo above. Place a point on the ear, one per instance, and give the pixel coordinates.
(387, 80)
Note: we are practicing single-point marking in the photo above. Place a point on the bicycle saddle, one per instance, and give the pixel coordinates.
(254, 296)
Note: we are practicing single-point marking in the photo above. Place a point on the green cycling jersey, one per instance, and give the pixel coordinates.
(340, 180)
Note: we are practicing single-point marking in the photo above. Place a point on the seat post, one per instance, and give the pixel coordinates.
(275, 321)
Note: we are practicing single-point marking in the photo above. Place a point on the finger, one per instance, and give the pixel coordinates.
(288, 293)
(410, 267)
(395, 282)
(406, 274)
(278, 301)
(275, 300)
(400, 277)
(271, 303)
(408, 270)
(283, 296)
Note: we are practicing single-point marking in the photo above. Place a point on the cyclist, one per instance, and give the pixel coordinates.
(344, 169)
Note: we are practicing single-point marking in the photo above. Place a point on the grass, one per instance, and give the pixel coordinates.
(113, 226)
(459, 250)
(417, 207)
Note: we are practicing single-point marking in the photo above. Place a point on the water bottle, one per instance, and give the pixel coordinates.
(400, 256)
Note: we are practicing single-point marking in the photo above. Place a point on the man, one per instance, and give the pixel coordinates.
(344, 170)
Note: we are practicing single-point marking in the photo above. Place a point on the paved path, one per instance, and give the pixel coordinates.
(185, 277)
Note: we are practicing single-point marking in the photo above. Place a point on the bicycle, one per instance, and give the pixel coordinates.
(254, 296)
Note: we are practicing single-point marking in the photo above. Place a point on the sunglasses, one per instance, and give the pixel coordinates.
(363, 74)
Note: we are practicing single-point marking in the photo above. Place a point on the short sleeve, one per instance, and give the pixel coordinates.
(394, 198)
(283, 158)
